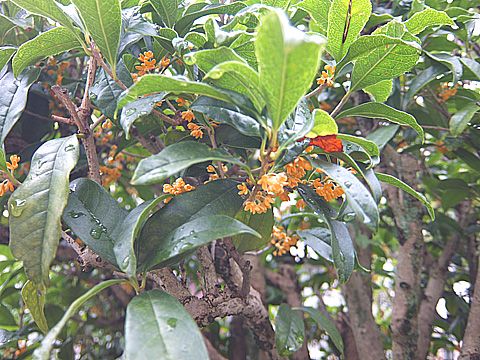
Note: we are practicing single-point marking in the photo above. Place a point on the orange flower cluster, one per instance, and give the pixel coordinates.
(58, 69)
(148, 63)
(447, 92)
(177, 188)
(259, 202)
(5, 186)
(261, 199)
(329, 143)
(181, 102)
(13, 164)
(195, 130)
(110, 174)
(327, 189)
(281, 241)
(327, 76)
(188, 115)
(296, 170)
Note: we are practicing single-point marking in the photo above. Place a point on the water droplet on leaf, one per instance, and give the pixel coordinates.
(16, 207)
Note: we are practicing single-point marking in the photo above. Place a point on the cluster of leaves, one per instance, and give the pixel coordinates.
(248, 73)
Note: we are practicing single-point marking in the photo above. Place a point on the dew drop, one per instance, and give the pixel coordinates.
(130, 111)
(347, 184)
(93, 96)
(143, 113)
(96, 233)
(126, 261)
(16, 207)
(75, 215)
(172, 322)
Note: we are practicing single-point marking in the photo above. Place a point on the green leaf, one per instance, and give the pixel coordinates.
(471, 68)
(183, 25)
(318, 11)
(452, 62)
(207, 59)
(261, 223)
(7, 321)
(34, 299)
(288, 61)
(125, 233)
(36, 206)
(156, 322)
(46, 8)
(6, 53)
(3, 161)
(376, 110)
(105, 92)
(138, 109)
(175, 158)
(358, 197)
(389, 179)
(93, 214)
(319, 239)
(380, 57)
(343, 251)
(380, 92)
(52, 42)
(226, 113)
(218, 197)
(460, 120)
(326, 324)
(289, 330)
(103, 21)
(283, 4)
(239, 77)
(346, 19)
(43, 352)
(167, 10)
(470, 159)
(13, 98)
(323, 125)
(426, 18)
(422, 79)
(150, 84)
(369, 146)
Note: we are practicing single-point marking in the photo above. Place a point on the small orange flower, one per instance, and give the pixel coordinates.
(181, 102)
(6, 186)
(13, 164)
(195, 130)
(327, 76)
(188, 115)
(148, 63)
(164, 62)
(243, 189)
(301, 204)
(273, 183)
(329, 143)
(177, 188)
(281, 241)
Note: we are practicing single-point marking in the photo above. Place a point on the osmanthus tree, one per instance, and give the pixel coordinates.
(261, 179)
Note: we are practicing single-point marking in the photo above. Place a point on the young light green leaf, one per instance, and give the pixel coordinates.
(239, 77)
(167, 10)
(3, 160)
(103, 21)
(52, 42)
(288, 60)
(34, 298)
(358, 196)
(376, 110)
(369, 146)
(283, 4)
(36, 207)
(151, 84)
(6, 53)
(43, 352)
(323, 124)
(207, 59)
(175, 158)
(460, 120)
(226, 113)
(155, 322)
(426, 18)
(346, 19)
(380, 92)
(46, 8)
(380, 57)
(326, 324)
(13, 98)
(289, 330)
(392, 180)
(318, 11)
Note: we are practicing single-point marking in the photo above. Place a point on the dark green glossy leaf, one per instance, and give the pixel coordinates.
(13, 98)
(226, 113)
(289, 330)
(326, 324)
(157, 323)
(319, 239)
(261, 223)
(167, 10)
(369, 146)
(36, 207)
(459, 121)
(175, 158)
(219, 197)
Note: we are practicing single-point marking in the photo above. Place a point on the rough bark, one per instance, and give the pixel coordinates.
(407, 213)
(358, 295)
(471, 339)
